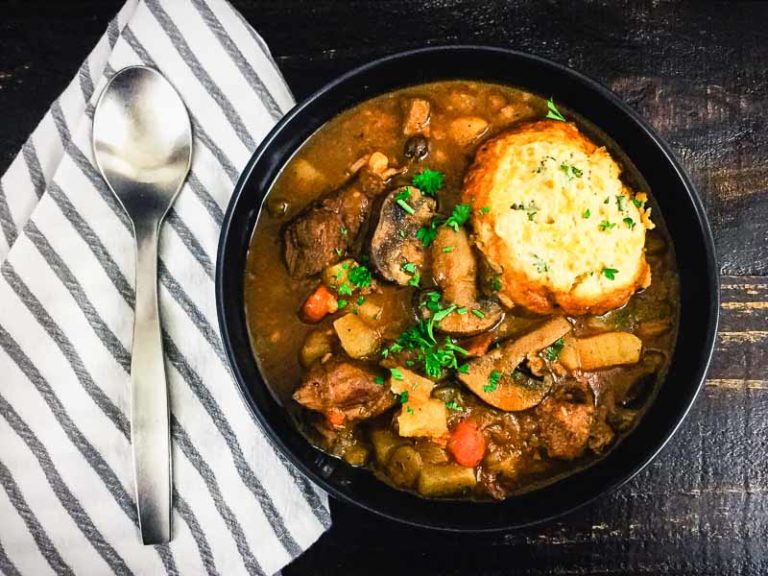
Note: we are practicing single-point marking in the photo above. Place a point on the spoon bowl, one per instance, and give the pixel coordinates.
(142, 143)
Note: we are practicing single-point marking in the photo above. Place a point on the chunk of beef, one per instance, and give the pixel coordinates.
(343, 388)
(566, 420)
(455, 271)
(396, 252)
(321, 235)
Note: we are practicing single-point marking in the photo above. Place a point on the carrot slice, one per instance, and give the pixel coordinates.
(467, 444)
(319, 304)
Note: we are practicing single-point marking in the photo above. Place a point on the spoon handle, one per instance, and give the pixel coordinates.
(149, 395)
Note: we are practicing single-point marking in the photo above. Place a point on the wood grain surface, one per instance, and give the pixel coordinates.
(699, 73)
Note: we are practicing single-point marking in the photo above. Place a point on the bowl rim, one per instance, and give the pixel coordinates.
(712, 274)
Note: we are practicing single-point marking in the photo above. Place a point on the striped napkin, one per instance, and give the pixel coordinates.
(67, 502)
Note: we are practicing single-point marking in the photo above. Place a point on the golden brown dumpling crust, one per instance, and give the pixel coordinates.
(553, 218)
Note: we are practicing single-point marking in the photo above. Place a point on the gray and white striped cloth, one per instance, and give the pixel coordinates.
(66, 297)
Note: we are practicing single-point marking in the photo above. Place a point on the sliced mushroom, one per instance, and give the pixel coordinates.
(394, 243)
(495, 378)
(455, 271)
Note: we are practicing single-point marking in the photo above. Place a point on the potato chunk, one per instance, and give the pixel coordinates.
(445, 479)
(428, 419)
(467, 129)
(601, 351)
(317, 344)
(418, 387)
(357, 338)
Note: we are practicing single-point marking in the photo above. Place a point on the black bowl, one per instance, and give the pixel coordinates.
(680, 205)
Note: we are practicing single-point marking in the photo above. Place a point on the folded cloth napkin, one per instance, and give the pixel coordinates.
(67, 502)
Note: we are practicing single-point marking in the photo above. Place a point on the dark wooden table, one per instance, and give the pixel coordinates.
(699, 73)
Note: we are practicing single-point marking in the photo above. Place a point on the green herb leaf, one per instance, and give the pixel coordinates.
(571, 171)
(416, 280)
(621, 202)
(453, 405)
(427, 234)
(462, 310)
(397, 375)
(429, 181)
(637, 203)
(409, 267)
(447, 249)
(360, 276)
(553, 113)
(463, 369)
(610, 273)
(409, 409)
(344, 231)
(586, 213)
(344, 289)
(459, 216)
(403, 395)
(629, 223)
(493, 381)
(606, 225)
(478, 313)
(339, 252)
(496, 283)
(552, 352)
(379, 381)
(361, 300)
(342, 303)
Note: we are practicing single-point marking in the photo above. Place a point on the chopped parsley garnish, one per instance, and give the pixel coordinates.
(409, 409)
(629, 223)
(339, 252)
(427, 234)
(607, 199)
(403, 395)
(342, 303)
(360, 276)
(540, 265)
(531, 215)
(459, 216)
(401, 233)
(478, 313)
(571, 171)
(621, 202)
(448, 249)
(637, 203)
(586, 213)
(552, 112)
(409, 267)
(416, 280)
(610, 273)
(344, 289)
(379, 381)
(453, 405)
(344, 231)
(463, 369)
(420, 340)
(361, 300)
(401, 199)
(397, 375)
(429, 181)
(484, 210)
(496, 283)
(493, 381)
(606, 225)
(462, 310)
(552, 352)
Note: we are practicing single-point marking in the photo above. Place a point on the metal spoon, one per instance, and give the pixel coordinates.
(142, 142)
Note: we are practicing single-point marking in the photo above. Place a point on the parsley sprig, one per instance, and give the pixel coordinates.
(429, 181)
(434, 355)
(553, 113)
